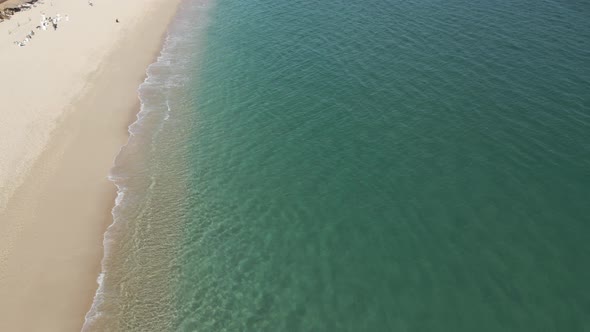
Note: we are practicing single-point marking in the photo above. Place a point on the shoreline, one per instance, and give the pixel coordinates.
(50, 257)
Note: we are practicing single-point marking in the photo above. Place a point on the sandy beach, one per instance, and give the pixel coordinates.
(66, 98)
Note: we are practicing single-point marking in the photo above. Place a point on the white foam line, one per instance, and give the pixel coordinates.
(94, 312)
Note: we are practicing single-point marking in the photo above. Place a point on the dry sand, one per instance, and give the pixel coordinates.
(65, 102)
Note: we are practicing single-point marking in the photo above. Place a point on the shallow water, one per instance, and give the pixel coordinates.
(358, 166)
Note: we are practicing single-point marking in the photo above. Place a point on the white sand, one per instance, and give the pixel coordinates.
(65, 101)
(39, 81)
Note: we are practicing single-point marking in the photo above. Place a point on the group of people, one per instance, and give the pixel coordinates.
(25, 41)
(44, 24)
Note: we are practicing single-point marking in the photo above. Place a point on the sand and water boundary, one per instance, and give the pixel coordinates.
(68, 97)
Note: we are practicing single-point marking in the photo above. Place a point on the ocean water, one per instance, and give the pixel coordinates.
(374, 165)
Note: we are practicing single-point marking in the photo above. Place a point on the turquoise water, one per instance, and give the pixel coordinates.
(358, 166)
